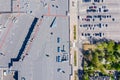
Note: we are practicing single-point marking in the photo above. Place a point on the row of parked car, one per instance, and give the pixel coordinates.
(62, 58)
(100, 17)
(94, 1)
(98, 34)
(94, 8)
(62, 55)
(99, 25)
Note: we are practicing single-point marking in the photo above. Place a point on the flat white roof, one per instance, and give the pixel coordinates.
(5, 5)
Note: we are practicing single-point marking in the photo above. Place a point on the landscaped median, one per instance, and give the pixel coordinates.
(75, 58)
(75, 75)
(74, 32)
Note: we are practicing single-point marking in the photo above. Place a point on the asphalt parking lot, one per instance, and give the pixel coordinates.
(99, 19)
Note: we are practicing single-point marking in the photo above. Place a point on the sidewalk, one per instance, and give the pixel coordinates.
(74, 37)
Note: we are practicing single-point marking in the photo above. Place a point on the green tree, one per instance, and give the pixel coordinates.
(104, 44)
(116, 65)
(110, 47)
(100, 47)
(95, 59)
(118, 48)
(108, 58)
(111, 43)
(85, 77)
